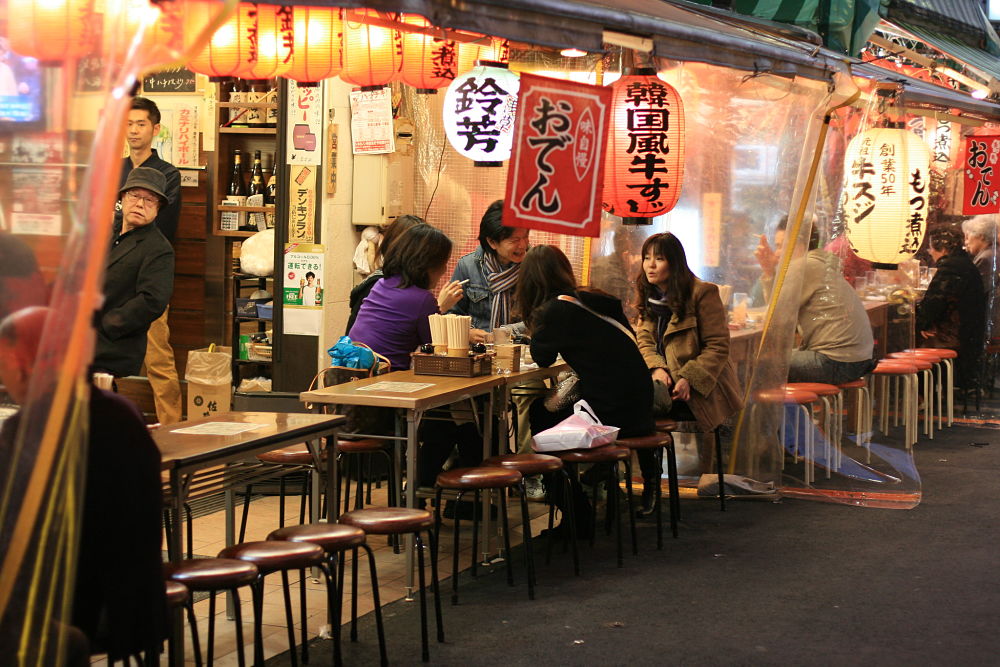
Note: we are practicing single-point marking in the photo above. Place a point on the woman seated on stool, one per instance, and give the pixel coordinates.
(684, 339)
(593, 336)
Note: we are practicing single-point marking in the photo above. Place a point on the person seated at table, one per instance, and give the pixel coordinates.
(683, 336)
(952, 313)
(980, 242)
(590, 331)
(361, 291)
(393, 322)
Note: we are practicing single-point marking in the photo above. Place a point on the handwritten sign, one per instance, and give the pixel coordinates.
(980, 158)
(171, 80)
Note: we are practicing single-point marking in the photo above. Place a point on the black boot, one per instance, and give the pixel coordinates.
(650, 496)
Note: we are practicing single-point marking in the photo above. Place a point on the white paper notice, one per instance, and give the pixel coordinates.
(219, 428)
(396, 387)
(371, 121)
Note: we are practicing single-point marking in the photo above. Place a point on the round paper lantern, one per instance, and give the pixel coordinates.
(50, 30)
(268, 41)
(886, 192)
(429, 62)
(318, 38)
(226, 51)
(497, 51)
(644, 159)
(372, 54)
(479, 113)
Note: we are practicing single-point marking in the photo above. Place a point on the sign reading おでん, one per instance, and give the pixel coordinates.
(557, 166)
(981, 177)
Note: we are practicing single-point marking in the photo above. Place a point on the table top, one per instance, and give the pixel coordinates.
(442, 390)
(277, 429)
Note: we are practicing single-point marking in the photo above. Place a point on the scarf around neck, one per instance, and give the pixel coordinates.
(659, 309)
(501, 282)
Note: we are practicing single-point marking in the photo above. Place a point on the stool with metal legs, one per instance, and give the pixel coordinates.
(292, 459)
(672, 426)
(802, 401)
(832, 402)
(663, 442)
(178, 595)
(337, 539)
(906, 373)
(948, 357)
(939, 371)
(862, 412)
(926, 364)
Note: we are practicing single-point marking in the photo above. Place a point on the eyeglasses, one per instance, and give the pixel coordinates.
(147, 201)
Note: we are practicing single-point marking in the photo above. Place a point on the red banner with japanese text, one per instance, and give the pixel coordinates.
(557, 164)
(982, 180)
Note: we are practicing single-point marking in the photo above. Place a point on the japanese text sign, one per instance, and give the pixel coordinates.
(305, 124)
(981, 180)
(557, 166)
(479, 112)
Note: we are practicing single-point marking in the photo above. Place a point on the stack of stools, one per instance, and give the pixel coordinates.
(405, 521)
(930, 367)
(337, 539)
(832, 402)
(610, 455)
(803, 401)
(863, 412)
(178, 596)
(947, 358)
(485, 478)
(214, 575)
(904, 373)
(663, 442)
(281, 557)
(540, 464)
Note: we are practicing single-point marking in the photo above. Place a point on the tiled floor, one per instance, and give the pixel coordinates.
(209, 539)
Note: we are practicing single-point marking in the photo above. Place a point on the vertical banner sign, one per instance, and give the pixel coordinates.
(371, 122)
(557, 167)
(302, 204)
(981, 180)
(302, 296)
(186, 137)
(711, 227)
(305, 124)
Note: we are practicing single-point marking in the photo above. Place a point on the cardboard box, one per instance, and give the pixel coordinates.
(205, 400)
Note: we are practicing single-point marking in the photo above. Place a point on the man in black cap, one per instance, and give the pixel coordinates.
(139, 276)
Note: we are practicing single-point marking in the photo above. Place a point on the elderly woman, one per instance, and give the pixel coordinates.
(980, 242)
(492, 271)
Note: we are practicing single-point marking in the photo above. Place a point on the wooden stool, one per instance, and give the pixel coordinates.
(337, 539)
(530, 465)
(829, 396)
(907, 373)
(298, 459)
(484, 478)
(402, 521)
(862, 414)
(803, 402)
(280, 557)
(213, 575)
(613, 455)
(948, 357)
(671, 426)
(178, 596)
(661, 441)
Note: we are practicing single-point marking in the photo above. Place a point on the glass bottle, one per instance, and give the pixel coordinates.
(236, 187)
(271, 189)
(256, 177)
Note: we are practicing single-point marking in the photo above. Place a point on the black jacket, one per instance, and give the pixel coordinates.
(614, 379)
(138, 284)
(168, 216)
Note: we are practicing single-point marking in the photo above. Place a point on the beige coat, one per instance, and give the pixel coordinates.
(697, 348)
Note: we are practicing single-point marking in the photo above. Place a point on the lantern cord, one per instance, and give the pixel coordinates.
(438, 181)
(757, 71)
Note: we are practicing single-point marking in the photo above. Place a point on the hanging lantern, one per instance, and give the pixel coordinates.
(51, 30)
(268, 36)
(429, 62)
(479, 113)
(226, 51)
(644, 160)
(497, 51)
(318, 38)
(372, 54)
(886, 192)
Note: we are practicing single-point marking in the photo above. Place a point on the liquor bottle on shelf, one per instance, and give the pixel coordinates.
(271, 97)
(270, 192)
(256, 177)
(236, 187)
(237, 95)
(257, 93)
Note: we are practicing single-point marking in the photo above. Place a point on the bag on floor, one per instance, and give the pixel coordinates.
(581, 430)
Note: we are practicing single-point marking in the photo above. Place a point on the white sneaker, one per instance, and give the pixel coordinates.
(534, 489)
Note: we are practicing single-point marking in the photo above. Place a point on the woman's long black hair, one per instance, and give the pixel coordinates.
(545, 273)
(680, 281)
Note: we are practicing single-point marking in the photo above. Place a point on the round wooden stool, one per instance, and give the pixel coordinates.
(612, 455)
(213, 575)
(862, 412)
(337, 539)
(832, 402)
(178, 596)
(280, 557)
(801, 401)
(403, 521)
(530, 465)
(661, 441)
(900, 370)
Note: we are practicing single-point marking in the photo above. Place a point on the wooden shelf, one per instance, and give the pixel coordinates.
(247, 105)
(248, 130)
(245, 318)
(253, 361)
(250, 209)
(235, 233)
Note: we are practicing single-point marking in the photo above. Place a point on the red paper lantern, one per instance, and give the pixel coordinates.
(226, 51)
(318, 39)
(644, 164)
(50, 30)
(497, 51)
(268, 41)
(429, 62)
(372, 54)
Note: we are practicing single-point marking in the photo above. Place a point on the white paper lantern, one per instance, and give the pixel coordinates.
(479, 112)
(886, 192)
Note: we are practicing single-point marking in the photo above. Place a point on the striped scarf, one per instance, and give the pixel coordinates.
(501, 283)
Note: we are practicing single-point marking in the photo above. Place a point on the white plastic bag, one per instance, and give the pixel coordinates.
(257, 254)
(581, 430)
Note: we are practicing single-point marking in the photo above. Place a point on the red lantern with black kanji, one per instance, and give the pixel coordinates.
(429, 62)
(644, 160)
(318, 39)
(226, 51)
(269, 41)
(372, 53)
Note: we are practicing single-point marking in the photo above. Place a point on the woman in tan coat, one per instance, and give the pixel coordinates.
(684, 339)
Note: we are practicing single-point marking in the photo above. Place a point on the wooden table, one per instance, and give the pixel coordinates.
(441, 391)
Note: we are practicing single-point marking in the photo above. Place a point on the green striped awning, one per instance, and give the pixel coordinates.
(844, 24)
(987, 64)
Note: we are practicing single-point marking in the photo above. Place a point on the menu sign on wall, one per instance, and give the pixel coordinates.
(371, 122)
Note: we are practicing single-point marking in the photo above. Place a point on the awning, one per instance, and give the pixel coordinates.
(987, 65)
(680, 33)
(927, 94)
(962, 20)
